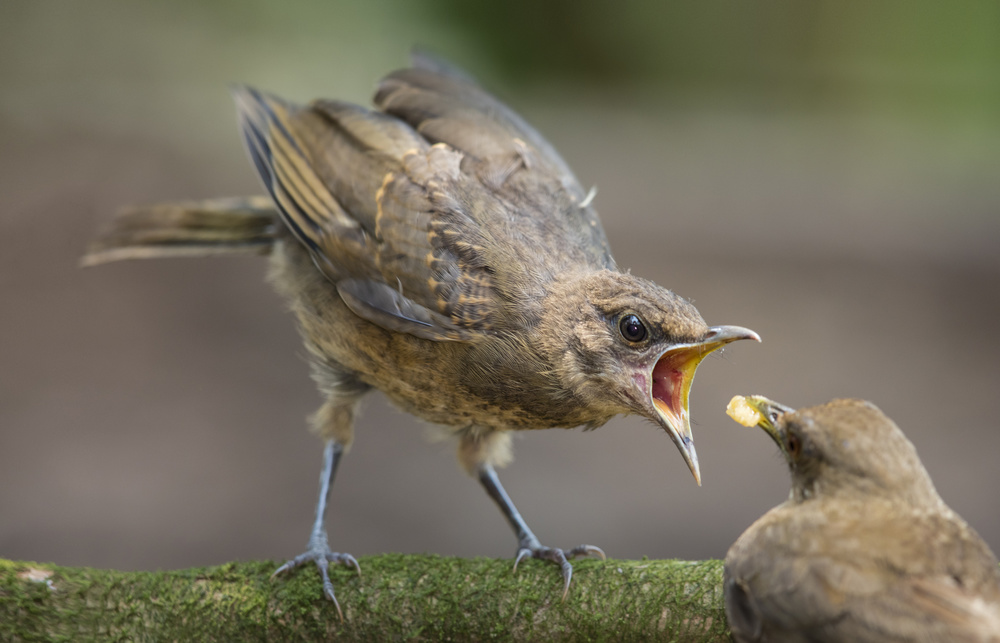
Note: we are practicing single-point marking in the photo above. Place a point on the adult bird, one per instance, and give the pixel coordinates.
(864, 549)
(438, 249)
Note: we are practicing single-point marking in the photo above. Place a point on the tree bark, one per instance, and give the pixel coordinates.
(397, 597)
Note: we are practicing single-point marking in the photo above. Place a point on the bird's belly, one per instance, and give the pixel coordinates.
(422, 377)
(425, 378)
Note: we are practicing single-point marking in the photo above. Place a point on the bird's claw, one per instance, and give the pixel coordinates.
(559, 557)
(322, 558)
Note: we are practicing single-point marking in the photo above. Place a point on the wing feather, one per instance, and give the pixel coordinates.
(357, 188)
(431, 215)
(510, 158)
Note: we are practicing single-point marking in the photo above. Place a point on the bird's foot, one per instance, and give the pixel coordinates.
(559, 557)
(320, 554)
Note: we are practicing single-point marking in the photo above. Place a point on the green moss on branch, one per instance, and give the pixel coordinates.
(411, 597)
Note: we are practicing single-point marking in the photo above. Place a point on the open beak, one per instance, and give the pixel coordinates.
(670, 385)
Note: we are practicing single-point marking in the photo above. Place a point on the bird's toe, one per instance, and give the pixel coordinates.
(322, 557)
(559, 557)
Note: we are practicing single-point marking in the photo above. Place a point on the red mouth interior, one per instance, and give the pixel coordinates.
(668, 383)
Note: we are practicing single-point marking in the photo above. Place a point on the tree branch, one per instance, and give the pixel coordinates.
(397, 597)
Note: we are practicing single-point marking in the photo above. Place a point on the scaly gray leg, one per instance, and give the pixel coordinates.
(318, 550)
(527, 542)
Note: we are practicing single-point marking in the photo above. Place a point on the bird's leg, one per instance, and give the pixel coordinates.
(527, 542)
(318, 550)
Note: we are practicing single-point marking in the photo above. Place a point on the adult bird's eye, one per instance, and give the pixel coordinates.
(793, 444)
(632, 328)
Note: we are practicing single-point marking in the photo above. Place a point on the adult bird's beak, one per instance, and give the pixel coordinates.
(670, 385)
(757, 410)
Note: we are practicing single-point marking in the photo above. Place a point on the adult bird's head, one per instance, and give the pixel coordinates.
(844, 446)
(624, 345)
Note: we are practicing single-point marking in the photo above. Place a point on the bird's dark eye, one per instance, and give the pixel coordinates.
(632, 328)
(793, 444)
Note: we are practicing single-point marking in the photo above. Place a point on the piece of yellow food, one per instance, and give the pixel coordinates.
(742, 412)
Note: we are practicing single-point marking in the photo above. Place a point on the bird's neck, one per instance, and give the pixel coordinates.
(917, 492)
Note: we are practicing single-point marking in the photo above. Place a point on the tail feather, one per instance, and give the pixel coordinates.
(200, 228)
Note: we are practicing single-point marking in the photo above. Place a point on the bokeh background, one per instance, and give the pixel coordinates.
(826, 173)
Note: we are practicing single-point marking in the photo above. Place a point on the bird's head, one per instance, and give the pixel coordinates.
(625, 345)
(842, 446)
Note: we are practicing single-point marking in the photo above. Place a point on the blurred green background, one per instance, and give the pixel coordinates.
(826, 173)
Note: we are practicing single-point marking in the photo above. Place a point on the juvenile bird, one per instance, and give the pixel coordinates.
(438, 249)
(864, 549)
